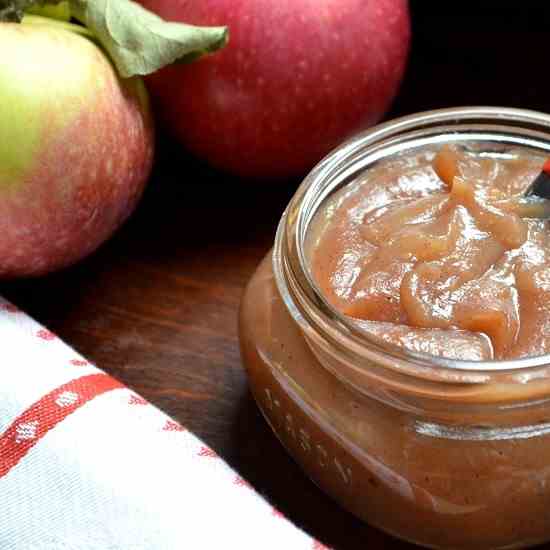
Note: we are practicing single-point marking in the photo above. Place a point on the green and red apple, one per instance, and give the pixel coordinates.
(76, 138)
(76, 147)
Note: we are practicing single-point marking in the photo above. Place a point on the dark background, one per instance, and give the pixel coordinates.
(157, 305)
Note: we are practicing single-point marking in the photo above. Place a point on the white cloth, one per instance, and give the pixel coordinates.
(87, 464)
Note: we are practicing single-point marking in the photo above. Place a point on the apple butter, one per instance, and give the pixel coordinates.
(395, 338)
(439, 252)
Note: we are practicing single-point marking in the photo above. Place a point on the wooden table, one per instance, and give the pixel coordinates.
(157, 305)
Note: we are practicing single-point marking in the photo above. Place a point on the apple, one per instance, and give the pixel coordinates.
(76, 146)
(297, 78)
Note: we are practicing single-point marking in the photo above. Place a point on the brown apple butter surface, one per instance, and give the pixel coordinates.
(439, 252)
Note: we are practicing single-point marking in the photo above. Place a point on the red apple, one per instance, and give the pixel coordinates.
(297, 77)
(76, 147)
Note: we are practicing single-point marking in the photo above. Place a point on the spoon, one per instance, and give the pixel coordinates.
(540, 187)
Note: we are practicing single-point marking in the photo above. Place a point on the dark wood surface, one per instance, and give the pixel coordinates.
(157, 305)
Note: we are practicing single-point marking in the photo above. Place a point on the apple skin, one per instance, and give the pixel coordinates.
(76, 148)
(296, 79)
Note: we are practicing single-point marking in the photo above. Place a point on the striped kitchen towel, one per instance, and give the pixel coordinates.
(87, 464)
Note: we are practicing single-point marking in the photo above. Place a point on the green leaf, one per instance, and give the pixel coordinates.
(140, 42)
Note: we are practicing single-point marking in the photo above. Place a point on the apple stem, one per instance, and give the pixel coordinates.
(78, 29)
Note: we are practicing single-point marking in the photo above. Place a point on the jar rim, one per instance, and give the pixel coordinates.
(306, 302)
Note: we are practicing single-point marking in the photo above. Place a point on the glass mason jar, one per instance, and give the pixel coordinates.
(444, 453)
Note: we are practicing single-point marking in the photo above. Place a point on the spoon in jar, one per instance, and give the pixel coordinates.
(535, 201)
(540, 187)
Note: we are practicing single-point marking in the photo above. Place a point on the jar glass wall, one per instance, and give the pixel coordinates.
(440, 452)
